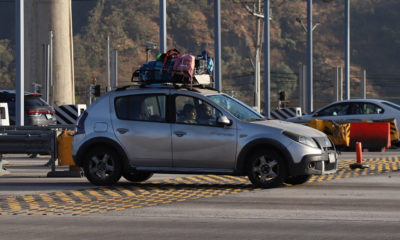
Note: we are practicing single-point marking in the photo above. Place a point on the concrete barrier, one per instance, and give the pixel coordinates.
(4, 117)
(373, 135)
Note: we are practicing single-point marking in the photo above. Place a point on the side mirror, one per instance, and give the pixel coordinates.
(316, 114)
(224, 121)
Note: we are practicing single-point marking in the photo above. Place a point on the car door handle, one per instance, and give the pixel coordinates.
(122, 130)
(180, 133)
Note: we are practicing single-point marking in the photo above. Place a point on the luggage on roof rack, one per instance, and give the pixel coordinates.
(176, 67)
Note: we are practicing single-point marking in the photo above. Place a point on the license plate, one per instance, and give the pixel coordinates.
(332, 158)
(48, 116)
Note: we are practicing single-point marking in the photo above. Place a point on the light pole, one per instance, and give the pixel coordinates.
(267, 67)
(310, 29)
(217, 44)
(19, 101)
(347, 54)
(163, 26)
(310, 58)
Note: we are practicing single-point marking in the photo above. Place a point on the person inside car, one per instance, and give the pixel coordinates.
(204, 114)
(189, 114)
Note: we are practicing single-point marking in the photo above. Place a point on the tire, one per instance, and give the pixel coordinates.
(102, 166)
(298, 179)
(266, 169)
(137, 176)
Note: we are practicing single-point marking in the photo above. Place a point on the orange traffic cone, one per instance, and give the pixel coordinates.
(359, 163)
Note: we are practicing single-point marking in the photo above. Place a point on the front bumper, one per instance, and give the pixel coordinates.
(325, 163)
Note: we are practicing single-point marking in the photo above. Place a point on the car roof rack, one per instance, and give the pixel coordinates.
(163, 84)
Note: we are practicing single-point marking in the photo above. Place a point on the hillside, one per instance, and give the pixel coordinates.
(374, 42)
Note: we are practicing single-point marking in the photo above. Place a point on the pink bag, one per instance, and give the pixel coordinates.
(184, 65)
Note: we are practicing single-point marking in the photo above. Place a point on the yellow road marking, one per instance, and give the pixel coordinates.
(64, 197)
(14, 204)
(163, 192)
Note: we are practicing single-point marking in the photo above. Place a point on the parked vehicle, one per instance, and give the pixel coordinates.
(140, 130)
(37, 111)
(354, 110)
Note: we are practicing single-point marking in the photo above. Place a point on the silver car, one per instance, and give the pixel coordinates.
(140, 130)
(354, 110)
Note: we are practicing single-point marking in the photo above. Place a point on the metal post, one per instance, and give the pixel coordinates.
(301, 87)
(336, 83)
(163, 26)
(347, 60)
(51, 97)
(304, 88)
(108, 88)
(19, 103)
(364, 84)
(257, 60)
(257, 82)
(310, 57)
(47, 71)
(267, 74)
(114, 69)
(341, 84)
(217, 43)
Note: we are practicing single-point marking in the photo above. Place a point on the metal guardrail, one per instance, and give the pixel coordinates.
(31, 140)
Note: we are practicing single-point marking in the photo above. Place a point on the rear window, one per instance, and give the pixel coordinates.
(147, 107)
(33, 101)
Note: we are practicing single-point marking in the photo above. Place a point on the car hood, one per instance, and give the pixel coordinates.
(292, 127)
(301, 119)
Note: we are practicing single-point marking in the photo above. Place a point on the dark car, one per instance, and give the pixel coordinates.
(37, 111)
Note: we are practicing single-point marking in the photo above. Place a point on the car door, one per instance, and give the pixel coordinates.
(375, 112)
(356, 113)
(141, 126)
(336, 112)
(197, 140)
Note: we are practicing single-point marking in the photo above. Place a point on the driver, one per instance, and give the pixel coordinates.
(204, 114)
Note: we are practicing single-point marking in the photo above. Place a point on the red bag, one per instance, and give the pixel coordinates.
(184, 65)
(169, 55)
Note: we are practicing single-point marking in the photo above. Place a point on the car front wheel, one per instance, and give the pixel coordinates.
(102, 166)
(266, 169)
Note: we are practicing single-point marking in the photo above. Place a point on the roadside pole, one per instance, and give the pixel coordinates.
(19, 101)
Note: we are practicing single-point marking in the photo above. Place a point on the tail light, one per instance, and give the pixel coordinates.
(81, 123)
(39, 112)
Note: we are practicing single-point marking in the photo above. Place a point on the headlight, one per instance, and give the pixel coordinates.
(309, 141)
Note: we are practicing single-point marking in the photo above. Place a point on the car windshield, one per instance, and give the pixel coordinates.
(35, 101)
(236, 108)
(393, 105)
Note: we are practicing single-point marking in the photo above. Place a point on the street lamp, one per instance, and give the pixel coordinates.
(310, 29)
(347, 52)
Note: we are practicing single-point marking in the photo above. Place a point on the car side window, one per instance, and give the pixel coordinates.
(335, 110)
(190, 110)
(357, 109)
(146, 107)
(370, 108)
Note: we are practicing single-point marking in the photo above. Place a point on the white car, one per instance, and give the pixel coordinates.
(354, 110)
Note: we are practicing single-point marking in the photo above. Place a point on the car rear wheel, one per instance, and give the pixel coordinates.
(102, 166)
(137, 176)
(266, 169)
(298, 179)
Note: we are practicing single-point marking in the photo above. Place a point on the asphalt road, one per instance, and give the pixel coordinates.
(365, 207)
